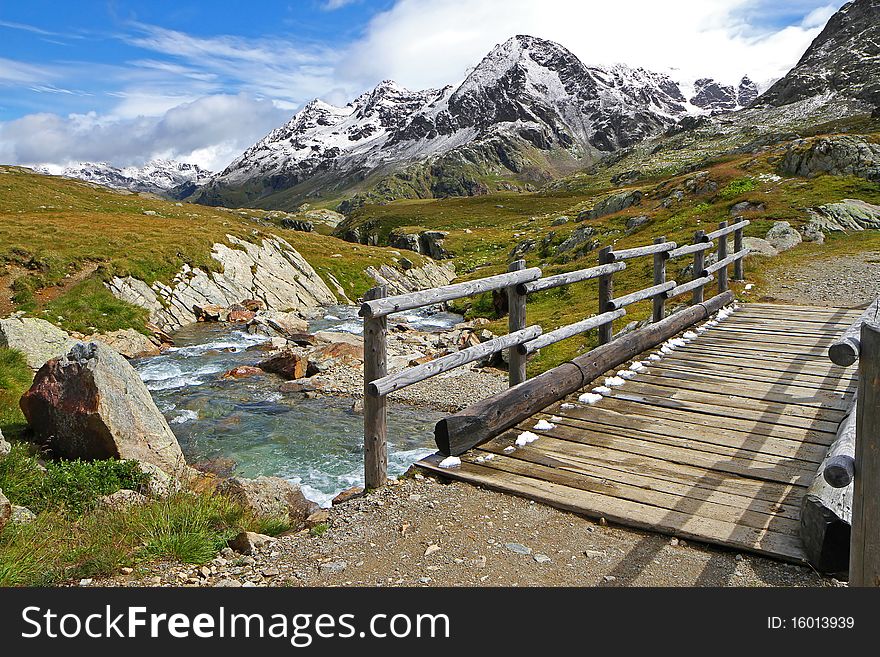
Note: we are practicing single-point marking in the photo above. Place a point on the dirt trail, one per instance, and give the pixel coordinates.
(850, 282)
(44, 295)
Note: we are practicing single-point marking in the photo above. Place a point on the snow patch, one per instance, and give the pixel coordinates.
(589, 398)
(525, 438)
(450, 462)
(544, 425)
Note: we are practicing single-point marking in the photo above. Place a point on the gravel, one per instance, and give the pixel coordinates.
(849, 282)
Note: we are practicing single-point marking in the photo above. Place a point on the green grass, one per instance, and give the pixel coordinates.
(15, 378)
(89, 307)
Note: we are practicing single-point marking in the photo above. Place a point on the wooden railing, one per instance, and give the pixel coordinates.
(522, 339)
(848, 487)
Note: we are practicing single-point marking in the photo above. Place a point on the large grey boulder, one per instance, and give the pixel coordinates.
(840, 155)
(37, 339)
(580, 238)
(269, 497)
(783, 237)
(848, 214)
(759, 246)
(92, 404)
(129, 343)
(612, 204)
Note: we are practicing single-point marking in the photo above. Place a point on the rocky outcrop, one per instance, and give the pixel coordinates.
(269, 497)
(783, 237)
(129, 343)
(841, 155)
(274, 322)
(92, 404)
(581, 239)
(428, 242)
(431, 274)
(612, 204)
(848, 214)
(272, 272)
(250, 542)
(37, 339)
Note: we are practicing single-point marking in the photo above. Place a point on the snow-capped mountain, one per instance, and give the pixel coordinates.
(164, 177)
(527, 112)
(714, 96)
(843, 61)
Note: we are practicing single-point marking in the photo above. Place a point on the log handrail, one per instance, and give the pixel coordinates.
(569, 331)
(576, 276)
(727, 230)
(639, 251)
(691, 248)
(845, 350)
(723, 264)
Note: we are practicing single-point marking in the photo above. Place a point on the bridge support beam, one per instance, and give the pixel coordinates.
(488, 418)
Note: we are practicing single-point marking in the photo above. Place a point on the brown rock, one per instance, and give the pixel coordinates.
(209, 312)
(333, 354)
(300, 385)
(249, 542)
(302, 339)
(287, 364)
(240, 316)
(348, 494)
(421, 360)
(242, 372)
(321, 517)
(269, 497)
(253, 304)
(91, 404)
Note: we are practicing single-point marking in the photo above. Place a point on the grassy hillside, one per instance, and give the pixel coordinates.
(59, 238)
(483, 231)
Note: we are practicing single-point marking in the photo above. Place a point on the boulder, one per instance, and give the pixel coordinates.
(612, 204)
(238, 313)
(242, 372)
(839, 155)
(319, 517)
(161, 484)
(746, 206)
(334, 337)
(269, 497)
(5, 447)
(759, 247)
(91, 404)
(581, 238)
(333, 355)
(560, 220)
(783, 237)
(129, 343)
(250, 542)
(431, 242)
(700, 184)
(5, 510)
(406, 241)
(812, 232)
(848, 214)
(209, 312)
(287, 364)
(274, 321)
(521, 249)
(348, 494)
(37, 339)
(637, 222)
(122, 499)
(21, 515)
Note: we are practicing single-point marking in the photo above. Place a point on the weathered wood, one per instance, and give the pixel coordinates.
(640, 295)
(570, 277)
(489, 417)
(639, 251)
(412, 375)
(845, 350)
(722, 264)
(410, 300)
(516, 321)
(864, 555)
(699, 259)
(738, 246)
(606, 292)
(658, 309)
(687, 249)
(722, 254)
(552, 337)
(721, 232)
(375, 420)
(687, 287)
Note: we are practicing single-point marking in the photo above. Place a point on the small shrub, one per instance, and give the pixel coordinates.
(319, 529)
(736, 187)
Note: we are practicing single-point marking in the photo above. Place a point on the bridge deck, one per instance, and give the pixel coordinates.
(716, 442)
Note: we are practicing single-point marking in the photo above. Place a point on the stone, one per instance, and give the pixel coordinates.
(431, 242)
(122, 499)
(320, 517)
(348, 494)
(541, 558)
(332, 355)
(812, 232)
(300, 225)
(406, 241)
(783, 237)
(522, 249)
(5, 447)
(560, 220)
(333, 567)
(287, 364)
(269, 497)
(209, 312)
(5, 510)
(334, 337)
(759, 246)
(37, 339)
(129, 343)
(518, 548)
(400, 281)
(839, 155)
(240, 316)
(299, 385)
(848, 214)
(243, 372)
(273, 321)
(581, 238)
(160, 484)
(91, 404)
(612, 204)
(700, 184)
(302, 339)
(21, 515)
(249, 542)
(746, 206)
(637, 222)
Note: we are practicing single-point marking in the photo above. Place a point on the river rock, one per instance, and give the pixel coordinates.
(5, 510)
(209, 312)
(332, 355)
(840, 155)
(271, 322)
(129, 343)
(92, 404)
(250, 542)
(242, 372)
(5, 447)
(612, 204)
(269, 497)
(239, 315)
(37, 339)
(334, 337)
(759, 246)
(288, 364)
(848, 214)
(348, 494)
(783, 237)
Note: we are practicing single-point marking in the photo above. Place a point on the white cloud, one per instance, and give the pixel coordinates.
(333, 5)
(428, 43)
(818, 17)
(210, 131)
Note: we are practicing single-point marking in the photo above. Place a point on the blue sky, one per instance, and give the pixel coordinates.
(128, 81)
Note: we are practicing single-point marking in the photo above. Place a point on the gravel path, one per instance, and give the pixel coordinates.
(422, 532)
(848, 282)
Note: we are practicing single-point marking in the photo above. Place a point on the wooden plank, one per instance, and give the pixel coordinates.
(806, 309)
(761, 369)
(760, 346)
(806, 360)
(626, 512)
(733, 333)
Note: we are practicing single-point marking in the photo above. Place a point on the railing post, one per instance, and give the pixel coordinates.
(516, 321)
(699, 263)
(659, 277)
(737, 247)
(606, 293)
(864, 559)
(375, 367)
(722, 254)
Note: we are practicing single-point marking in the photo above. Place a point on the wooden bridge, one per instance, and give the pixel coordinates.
(715, 423)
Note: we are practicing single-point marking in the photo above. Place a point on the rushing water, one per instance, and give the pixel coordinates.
(317, 443)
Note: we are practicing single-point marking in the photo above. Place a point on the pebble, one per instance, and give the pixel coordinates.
(432, 549)
(609, 578)
(333, 567)
(541, 558)
(86, 582)
(518, 548)
(594, 554)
